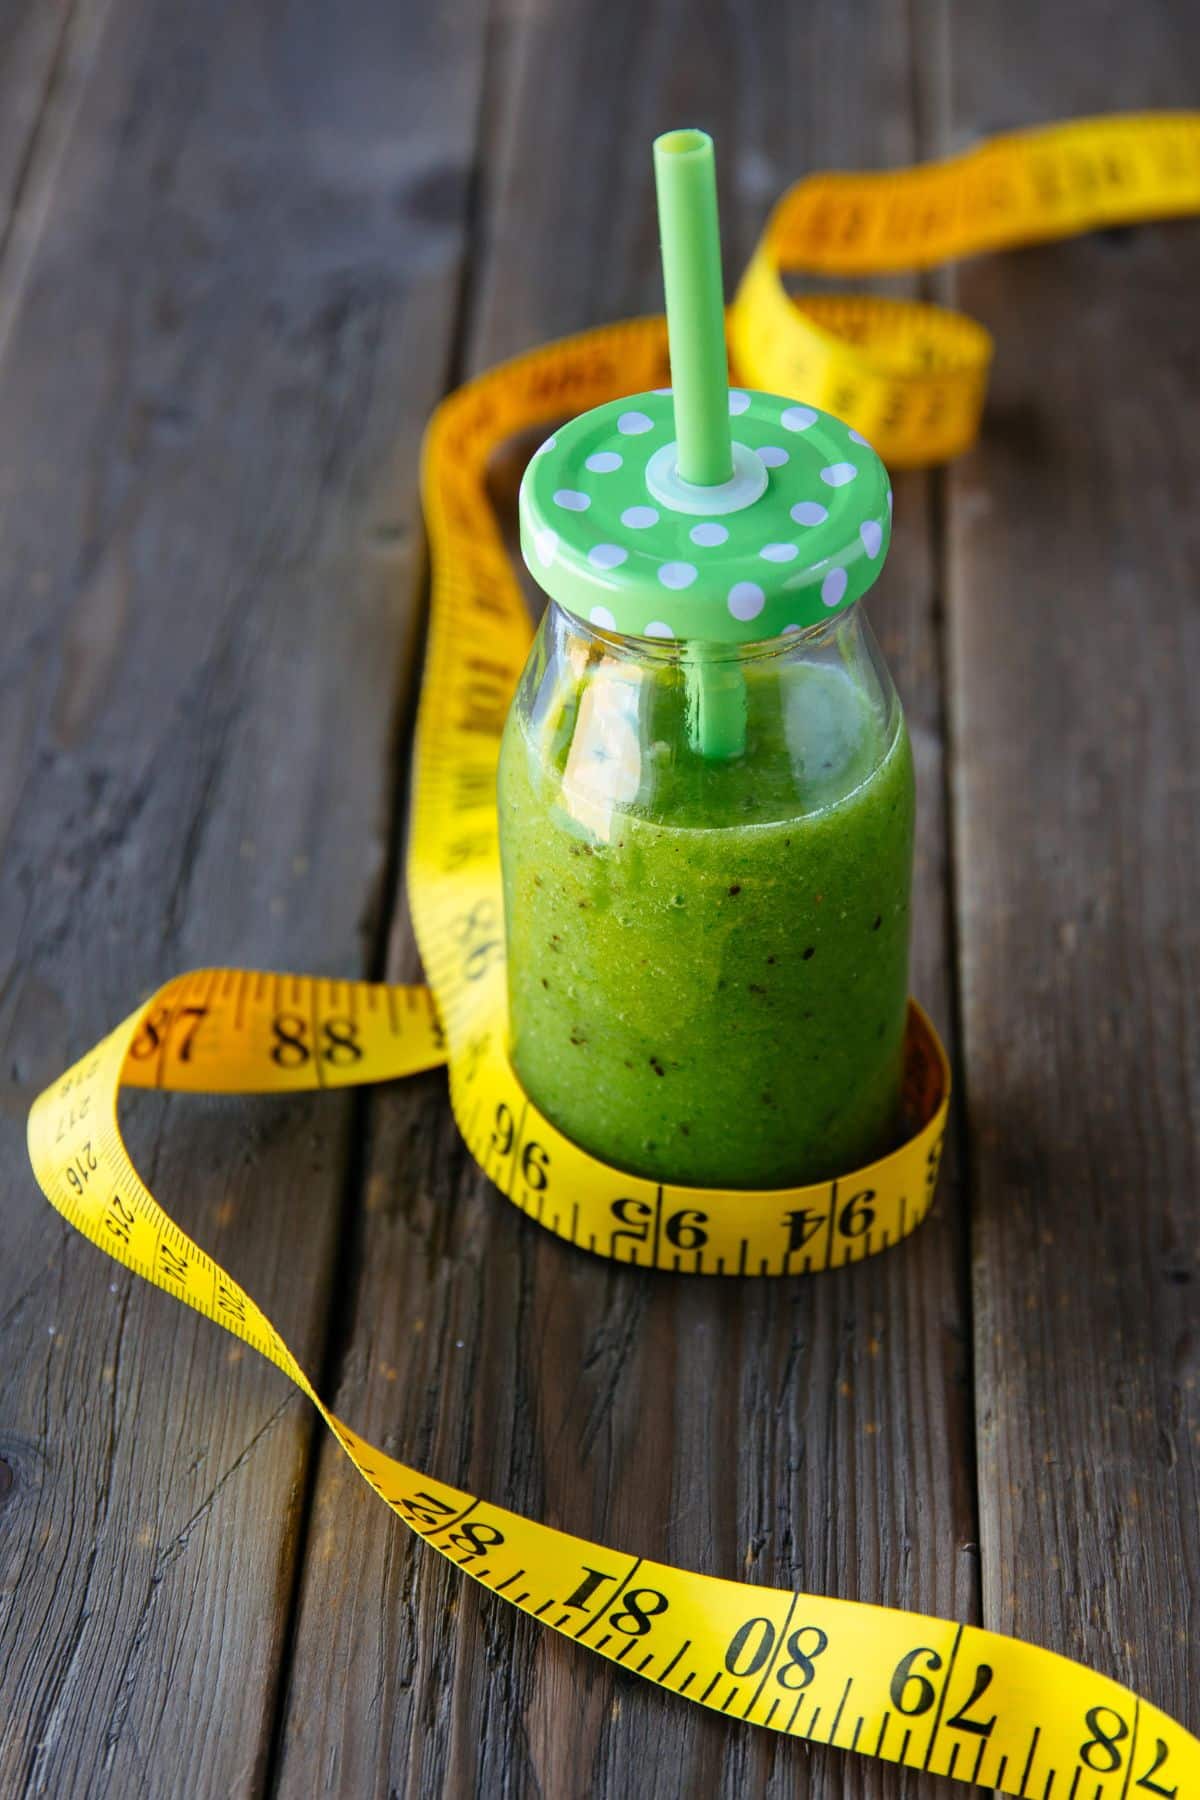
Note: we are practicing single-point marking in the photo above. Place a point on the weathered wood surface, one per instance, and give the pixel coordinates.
(1072, 578)
(239, 307)
(250, 246)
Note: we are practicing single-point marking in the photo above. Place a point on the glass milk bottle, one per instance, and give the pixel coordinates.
(706, 787)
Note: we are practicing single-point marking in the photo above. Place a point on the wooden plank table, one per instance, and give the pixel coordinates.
(243, 250)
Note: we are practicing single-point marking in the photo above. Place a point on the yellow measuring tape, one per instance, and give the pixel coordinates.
(931, 1694)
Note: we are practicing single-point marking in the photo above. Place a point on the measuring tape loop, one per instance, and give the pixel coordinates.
(931, 1694)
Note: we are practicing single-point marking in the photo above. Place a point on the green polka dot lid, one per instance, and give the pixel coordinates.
(608, 535)
(695, 512)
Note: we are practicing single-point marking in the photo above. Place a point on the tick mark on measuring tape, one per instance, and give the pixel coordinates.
(837, 1717)
(1033, 1744)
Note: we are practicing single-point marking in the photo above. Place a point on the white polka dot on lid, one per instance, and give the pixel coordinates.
(838, 474)
(889, 500)
(772, 457)
(834, 586)
(789, 629)
(548, 445)
(677, 574)
(738, 402)
(639, 518)
(632, 424)
(662, 390)
(571, 500)
(856, 437)
(871, 533)
(601, 616)
(810, 512)
(607, 556)
(708, 536)
(603, 462)
(746, 600)
(797, 418)
(779, 552)
(656, 628)
(545, 543)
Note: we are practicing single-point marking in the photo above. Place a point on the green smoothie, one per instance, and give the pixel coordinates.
(708, 960)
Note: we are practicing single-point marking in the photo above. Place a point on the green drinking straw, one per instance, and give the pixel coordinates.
(686, 184)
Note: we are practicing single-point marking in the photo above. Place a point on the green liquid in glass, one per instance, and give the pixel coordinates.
(712, 988)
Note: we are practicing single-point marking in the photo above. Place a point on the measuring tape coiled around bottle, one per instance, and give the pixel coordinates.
(931, 1694)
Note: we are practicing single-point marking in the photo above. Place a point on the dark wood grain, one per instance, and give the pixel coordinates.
(238, 308)
(1074, 567)
(809, 1432)
(37, 41)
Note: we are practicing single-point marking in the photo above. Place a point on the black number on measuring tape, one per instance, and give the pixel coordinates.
(858, 1215)
(149, 1035)
(478, 937)
(82, 1168)
(683, 1229)
(157, 1027)
(592, 1579)
(427, 1509)
(799, 1662)
(802, 1226)
(289, 1050)
(535, 1161)
(636, 1217)
(504, 1132)
(469, 847)
(535, 1167)
(475, 1538)
(1100, 1752)
(119, 1218)
(913, 1693)
(75, 1114)
(192, 1016)
(173, 1264)
(759, 1652)
(231, 1302)
(752, 1643)
(960, 1721)
(479, 960)
(339, 1042)
(638, 1607)
(1156, 1787)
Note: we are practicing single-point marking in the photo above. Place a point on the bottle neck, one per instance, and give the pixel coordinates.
(840, 628)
